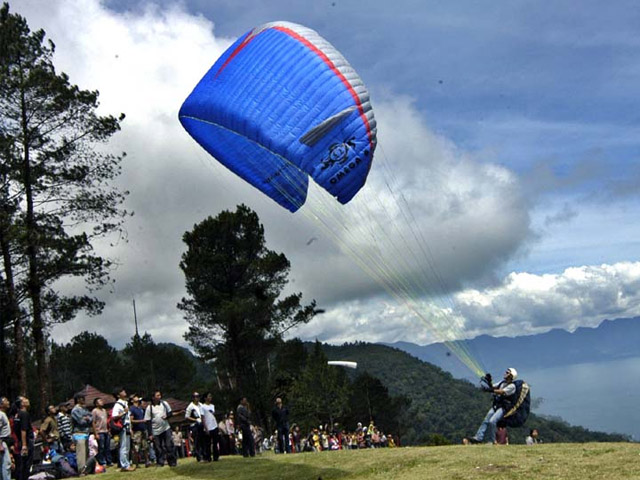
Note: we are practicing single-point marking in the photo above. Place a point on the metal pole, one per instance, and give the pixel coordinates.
(135, 316)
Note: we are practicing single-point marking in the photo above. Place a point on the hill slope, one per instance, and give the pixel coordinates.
(441, 404)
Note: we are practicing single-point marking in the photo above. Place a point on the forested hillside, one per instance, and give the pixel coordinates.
(405, 396)
(445, 409)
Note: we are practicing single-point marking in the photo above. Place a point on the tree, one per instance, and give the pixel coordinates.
(370, 401)
(321, 395)
(62, 183)
(12, 315)
(234, 310)
(86, 359)
(287, 366)
(148, 365)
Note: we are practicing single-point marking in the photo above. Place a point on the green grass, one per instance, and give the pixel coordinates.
(595, 461)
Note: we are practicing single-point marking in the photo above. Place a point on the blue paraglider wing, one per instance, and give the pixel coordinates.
(282, 104)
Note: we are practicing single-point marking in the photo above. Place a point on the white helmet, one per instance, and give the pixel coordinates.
(513, 372)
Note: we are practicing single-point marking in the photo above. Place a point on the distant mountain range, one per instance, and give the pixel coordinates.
(611, 340)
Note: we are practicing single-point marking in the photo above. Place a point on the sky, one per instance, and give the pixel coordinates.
(511, 129)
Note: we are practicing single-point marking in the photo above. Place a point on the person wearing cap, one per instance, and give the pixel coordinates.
(139, 433)
(503, 397)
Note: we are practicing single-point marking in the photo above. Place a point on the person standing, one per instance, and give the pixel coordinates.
(101, 432)
(280, 415)
(296, 436)
(120, 412)
(244, 422)
(23, 431)
(81, 423)
(178, 446)
(64, 425)
(231, 432)
(139, 433)
(194, 415)
(49, 429)
(6, 441)
(157, 415)
(210, 429)
(223, 436)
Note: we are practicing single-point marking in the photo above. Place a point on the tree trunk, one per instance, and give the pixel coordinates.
(234, 347)
(4, 379)
(34, 284)
(13, 315)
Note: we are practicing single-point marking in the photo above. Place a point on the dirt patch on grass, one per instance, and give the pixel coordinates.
(496, 468)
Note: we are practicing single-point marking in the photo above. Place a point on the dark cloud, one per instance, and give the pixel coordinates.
(566, 214)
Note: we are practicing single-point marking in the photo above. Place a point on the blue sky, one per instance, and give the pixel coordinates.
(567, 73)
(549, 91)
(513, 126)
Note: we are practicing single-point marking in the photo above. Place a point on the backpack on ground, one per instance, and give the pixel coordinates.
(518, 413)
(45, 471)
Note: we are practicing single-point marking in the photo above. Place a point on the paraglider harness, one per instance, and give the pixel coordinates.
(516, 406)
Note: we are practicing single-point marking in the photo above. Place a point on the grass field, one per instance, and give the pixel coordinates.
(597, 461)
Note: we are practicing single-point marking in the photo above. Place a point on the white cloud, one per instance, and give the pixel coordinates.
(144, 64)
(429, 214)
(528, 304)
(455, 218)
(382, 320)
(522, 304)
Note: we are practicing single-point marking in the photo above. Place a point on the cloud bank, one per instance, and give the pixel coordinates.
(445, 218)
(522, 304)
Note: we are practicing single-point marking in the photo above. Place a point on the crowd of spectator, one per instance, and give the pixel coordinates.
(325, 437)
(288, 439)
(80, 439)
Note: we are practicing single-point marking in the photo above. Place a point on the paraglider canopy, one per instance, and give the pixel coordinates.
(282, 105)
(342, 363)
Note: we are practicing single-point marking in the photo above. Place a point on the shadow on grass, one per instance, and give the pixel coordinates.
(258, 468)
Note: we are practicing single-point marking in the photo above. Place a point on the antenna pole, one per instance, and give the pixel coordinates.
(135, 316)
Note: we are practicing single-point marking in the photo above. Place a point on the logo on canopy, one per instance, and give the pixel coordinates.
(338, 153)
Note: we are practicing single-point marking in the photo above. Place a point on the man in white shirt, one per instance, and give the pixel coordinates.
(193, 413)
(503, 394)
(210, 430)
(121, 411)
(5, 440)
(158, 414)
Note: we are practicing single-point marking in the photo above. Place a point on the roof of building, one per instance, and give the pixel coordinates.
(91, 393)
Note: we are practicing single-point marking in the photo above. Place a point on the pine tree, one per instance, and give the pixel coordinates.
(234, 310)
(321, 394)
(61, 179)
